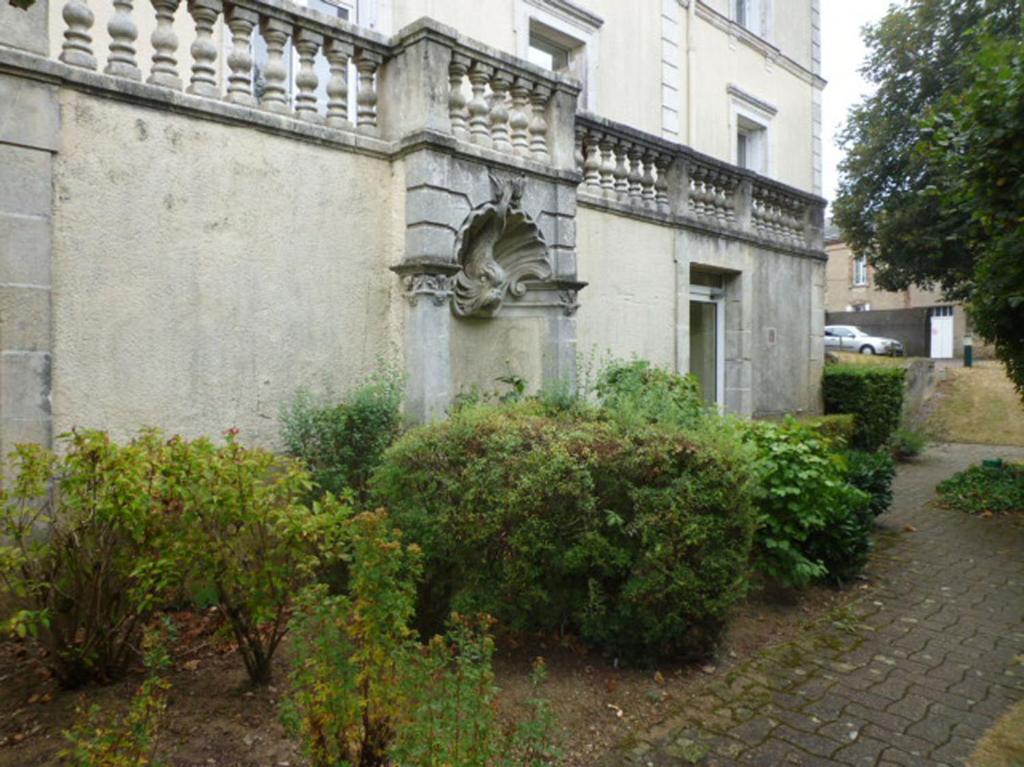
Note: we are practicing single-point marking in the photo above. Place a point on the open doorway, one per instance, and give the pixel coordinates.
(707, 334)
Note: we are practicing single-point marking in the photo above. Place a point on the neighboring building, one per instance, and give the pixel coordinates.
(927, 324)
(221, 202)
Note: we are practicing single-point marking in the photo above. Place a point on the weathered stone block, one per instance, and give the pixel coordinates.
(30, 113)
(24, 385)
(26, 30)
(25, 245)
(25, 181)
(24, 319)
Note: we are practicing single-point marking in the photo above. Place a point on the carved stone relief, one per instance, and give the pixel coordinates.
(498, 250)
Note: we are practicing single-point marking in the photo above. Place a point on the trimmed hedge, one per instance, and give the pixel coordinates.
(873, 394)
(839, 429)
(636, 537)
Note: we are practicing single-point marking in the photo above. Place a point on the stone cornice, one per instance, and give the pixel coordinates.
(570, 11)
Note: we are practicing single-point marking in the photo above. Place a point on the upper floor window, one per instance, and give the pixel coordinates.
(562, 37)
(860, 272)
(340, 9)
(751, 145)
(752, 15)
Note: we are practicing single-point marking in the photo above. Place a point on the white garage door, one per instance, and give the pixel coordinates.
(942, 333)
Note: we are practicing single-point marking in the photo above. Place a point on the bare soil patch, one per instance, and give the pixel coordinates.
(215, 718)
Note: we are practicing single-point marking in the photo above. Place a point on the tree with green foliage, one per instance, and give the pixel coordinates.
(928, 190)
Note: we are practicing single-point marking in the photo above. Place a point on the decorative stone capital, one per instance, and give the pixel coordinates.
(435, 287)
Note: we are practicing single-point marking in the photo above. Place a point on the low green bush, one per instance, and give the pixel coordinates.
(873, 394)
(247, 541)
(364, 691)
(636, 537)
(639, 393)
(873, 473)
(341, 443)
(85, 543)
(838, 429)
(985, 490)
(810, 523)
(907, 442)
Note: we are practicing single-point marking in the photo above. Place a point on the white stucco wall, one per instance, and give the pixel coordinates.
(628, 306)
(202, 273)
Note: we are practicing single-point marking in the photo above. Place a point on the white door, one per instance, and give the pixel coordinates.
(942, 336)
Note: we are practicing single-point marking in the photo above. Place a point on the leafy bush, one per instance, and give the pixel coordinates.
(637, 537)
(873, 473)
(838, 429)
(99, 740)
(637, 392)
(365, 692)
(907, 442)
(872, 393)
(249, 542)
(84, 543)
(342, 443)
(808, 516)
(985, 490)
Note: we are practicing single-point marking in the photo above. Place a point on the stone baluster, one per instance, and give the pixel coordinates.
(77, 47)
(307, 43)
(367, 64)
(731, 187)
(579, 133)
(338, 52)
(636, 172)
(123, 33)
(662, 163)
(479, 125)
(721, 199)
(592, 163)
(501, 84)
(607, 145)
(539, 124)
(519, 120)
(457, 71)
(622, 170)
(649, 193)
(204, 51)
(241, 22)
(697, 190)
(275, 91)
(165, 46)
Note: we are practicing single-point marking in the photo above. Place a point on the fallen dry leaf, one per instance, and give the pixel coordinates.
(909, 529)
(658, 678)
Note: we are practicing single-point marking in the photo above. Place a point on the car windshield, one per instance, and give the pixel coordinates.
(858, 332)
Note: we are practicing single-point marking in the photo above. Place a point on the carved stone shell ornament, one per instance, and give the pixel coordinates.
(498, 249)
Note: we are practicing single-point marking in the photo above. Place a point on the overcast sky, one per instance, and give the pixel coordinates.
(842, 54)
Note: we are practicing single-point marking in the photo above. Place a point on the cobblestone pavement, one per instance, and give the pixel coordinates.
(911, 674)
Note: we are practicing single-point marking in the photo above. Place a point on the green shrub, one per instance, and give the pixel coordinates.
(248, 540)
(342, 443)
(985, 490)
(838, 429)
(907, 442)
(807, 514)
(636, 392)
(365, 692)
(872, 393)
(873, 473)
(84, 542)
(637, 537)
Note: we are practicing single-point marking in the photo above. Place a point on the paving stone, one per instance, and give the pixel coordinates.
(932, 665)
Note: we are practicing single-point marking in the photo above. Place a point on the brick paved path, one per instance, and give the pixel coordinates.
(912, 674)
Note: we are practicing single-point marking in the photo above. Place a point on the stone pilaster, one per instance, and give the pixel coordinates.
(29, 138)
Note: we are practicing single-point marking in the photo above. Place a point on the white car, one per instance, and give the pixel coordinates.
(852, 339)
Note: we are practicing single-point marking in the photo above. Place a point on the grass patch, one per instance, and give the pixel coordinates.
(873, 359)
(977, 405)
(1003, 745)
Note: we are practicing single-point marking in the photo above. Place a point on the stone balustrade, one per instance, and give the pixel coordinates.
(327, 49)
(498, 105)
(642, 174)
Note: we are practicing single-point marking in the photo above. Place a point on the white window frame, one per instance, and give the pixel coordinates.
(758, 16)
(861, 278)
(716, 296)
(753, 118)
(569, 26)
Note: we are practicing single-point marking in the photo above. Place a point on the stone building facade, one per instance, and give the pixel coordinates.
(204, 207)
